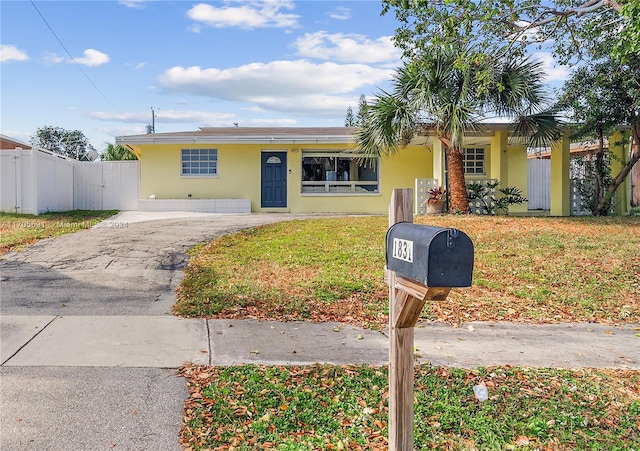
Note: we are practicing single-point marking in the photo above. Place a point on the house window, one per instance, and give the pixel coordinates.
(337, 172)
(199, 162)
(473, 159)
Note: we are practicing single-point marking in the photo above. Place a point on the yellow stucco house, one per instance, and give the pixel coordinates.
(311, 169)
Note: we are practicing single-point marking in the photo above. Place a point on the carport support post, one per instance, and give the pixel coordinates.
(401, 364)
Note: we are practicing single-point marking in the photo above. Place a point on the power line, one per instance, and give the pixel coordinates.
(73, 59)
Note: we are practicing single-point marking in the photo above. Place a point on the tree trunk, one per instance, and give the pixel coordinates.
(457, 183)
(633, 159)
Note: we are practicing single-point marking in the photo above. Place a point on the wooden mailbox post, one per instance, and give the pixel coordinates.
(407, 297)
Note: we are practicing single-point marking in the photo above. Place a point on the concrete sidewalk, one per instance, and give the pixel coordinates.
(168, 342)
(110, 382)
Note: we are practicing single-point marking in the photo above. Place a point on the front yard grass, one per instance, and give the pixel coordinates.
(18, 230)
(331, 269)
(345, 408)
(526, 269)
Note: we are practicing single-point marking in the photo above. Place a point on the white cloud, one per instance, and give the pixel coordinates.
(92, 58)
(138, 4)
(165, 116)
(554, 73)
(256, 80)
(354, 48)
(267, 123)
(308, 105)
(53, 58)
(136, 66)
(340, 13)
(123, 130)
(17, 134)
(247, 15)
(529, 34)
(285, 86)
(12, 53)
(195, 28)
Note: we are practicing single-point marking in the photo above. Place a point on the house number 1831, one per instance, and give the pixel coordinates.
(403, 250)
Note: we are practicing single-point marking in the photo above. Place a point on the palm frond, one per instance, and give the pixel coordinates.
(538, 130)
(519, 89)
(390, 124)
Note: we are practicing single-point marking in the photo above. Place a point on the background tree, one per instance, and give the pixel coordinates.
(593, 33)
(576, 29)
(363, 110)
(439, 93)
(358, 119)
(349, 120)
(116, 152)
(599, 98)
(70, 143)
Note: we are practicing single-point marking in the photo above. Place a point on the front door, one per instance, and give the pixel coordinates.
(274, 179)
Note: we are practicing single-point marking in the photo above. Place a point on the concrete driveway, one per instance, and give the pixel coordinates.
(126, 266)
(87, 333)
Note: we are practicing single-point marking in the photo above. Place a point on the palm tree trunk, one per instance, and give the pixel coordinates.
(457, 184)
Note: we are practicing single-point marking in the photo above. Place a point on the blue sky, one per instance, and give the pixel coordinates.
(255, 63)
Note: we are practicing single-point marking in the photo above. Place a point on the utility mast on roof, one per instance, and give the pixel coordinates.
(152, 128)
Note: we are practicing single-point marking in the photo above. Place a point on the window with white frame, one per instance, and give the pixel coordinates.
(473, 160)
(327, 172)
(199, 162)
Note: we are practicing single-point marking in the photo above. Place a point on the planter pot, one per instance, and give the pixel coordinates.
(435, 207)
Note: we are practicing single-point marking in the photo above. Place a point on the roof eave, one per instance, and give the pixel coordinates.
(151, 139)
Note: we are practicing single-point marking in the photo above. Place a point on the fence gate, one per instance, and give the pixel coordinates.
(107, 185)
(87, 186)
(539, 184)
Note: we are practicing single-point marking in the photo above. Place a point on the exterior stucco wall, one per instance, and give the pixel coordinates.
(517, 165)
(238, 173)
(239, 177)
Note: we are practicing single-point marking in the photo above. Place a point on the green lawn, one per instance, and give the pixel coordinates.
(326, 407)
(526, 269)
(18, 231)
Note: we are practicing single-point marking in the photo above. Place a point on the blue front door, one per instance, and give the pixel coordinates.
(274, 179)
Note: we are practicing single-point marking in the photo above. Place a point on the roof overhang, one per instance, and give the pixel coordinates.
(133, 140)
(246, 135)
(7, 143)
(481, 134)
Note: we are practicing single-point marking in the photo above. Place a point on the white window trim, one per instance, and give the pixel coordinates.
(323, 187)
(200, 176)
(484, 161)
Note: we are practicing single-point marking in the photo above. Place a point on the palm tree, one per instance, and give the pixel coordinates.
(117, 152)
(440, 94)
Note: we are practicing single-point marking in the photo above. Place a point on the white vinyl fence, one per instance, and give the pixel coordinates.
(539, 183)
(35, 181)
(39, 181)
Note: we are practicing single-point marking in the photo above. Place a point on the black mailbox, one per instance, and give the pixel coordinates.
(433, 256)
